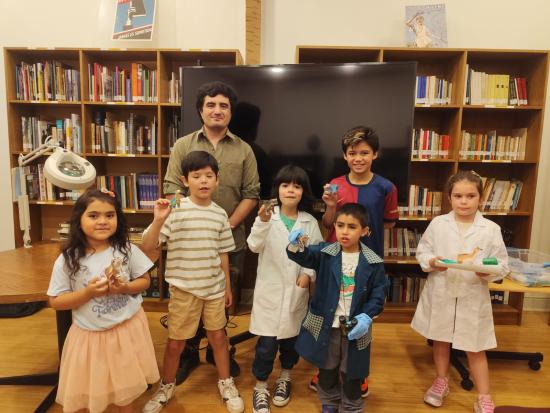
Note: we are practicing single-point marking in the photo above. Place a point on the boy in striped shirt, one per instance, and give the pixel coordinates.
(198, 239)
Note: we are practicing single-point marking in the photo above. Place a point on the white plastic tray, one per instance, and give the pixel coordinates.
(486, 269)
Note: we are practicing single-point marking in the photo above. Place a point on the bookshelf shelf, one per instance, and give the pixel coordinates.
(46, 103)
(451, 119)
(497, 162)
(137, 211)
(435, 160)
(502, 108)
(507, 213)
(59, 203)
(435, 107)
(416, 217)
(119, 155)
(46, 215)
(139, 104)
(400, 260)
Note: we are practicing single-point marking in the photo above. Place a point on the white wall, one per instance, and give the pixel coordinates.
(186, 24)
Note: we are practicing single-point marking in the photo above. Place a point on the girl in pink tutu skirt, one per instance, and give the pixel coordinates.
(108, 357)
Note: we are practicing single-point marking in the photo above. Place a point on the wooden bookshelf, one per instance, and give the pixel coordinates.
(451, 119)
(46, 215)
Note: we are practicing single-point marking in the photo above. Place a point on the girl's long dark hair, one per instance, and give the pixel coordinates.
(294, 174)
(75, 247)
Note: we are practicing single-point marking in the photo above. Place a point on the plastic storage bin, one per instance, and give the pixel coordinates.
(528, 267)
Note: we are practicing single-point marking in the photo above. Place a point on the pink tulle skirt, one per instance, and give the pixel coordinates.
(99, 368)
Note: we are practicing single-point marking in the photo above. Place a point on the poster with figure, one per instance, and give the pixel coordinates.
(134, 19)
(426, 25)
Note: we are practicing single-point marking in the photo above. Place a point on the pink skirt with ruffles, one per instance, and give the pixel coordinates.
(99, 368)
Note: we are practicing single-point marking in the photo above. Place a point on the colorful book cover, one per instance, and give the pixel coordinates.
(426, 26)
(134, 20)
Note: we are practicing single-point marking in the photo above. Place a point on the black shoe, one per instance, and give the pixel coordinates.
(281, 394)
(188, 362)
(234, 368)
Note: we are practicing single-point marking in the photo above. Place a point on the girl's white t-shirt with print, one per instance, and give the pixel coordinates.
(101, 313)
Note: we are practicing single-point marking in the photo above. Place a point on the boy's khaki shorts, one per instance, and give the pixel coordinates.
(185, 310)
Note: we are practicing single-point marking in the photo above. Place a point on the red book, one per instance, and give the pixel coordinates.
(524, 88)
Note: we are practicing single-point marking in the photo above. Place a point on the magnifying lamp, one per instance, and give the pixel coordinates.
(63, 168)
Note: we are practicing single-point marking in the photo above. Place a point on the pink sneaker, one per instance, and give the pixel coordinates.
(484, 404)
(438, 390)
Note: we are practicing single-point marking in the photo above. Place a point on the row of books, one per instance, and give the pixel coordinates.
(423, 201)
(135, 234)
(428, 144)
(63, 230)
(37, 186)
(174, 128)
(405, 288)
(492, 146)
(499, 297)
(137, 84)
(500, 195)
(400, 242)
(136, 135)
(67, 132)
(46, 81)
(431, 90)
(494, 89)
(134, 191)
(175, 86)
(153, 290)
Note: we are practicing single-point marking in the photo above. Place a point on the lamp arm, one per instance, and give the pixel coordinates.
(36, 153)
(23, 199)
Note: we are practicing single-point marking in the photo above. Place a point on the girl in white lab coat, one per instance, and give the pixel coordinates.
(281, 292)
(455, 306)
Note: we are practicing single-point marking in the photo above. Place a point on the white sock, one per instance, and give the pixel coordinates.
(285, 374)
(261, 385)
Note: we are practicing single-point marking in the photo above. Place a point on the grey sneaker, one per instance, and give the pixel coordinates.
(160, 398)
(281, 395)
(437, 392)
(230, 395)
(260, 401)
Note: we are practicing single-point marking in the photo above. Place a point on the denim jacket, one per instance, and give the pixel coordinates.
(368, 297)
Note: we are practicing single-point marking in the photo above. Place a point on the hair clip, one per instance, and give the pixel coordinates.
(475, 173)
(110, 193)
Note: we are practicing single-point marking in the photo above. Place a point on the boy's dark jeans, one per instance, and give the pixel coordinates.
(266, 352)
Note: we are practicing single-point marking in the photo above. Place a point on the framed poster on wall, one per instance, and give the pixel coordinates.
(134, 20)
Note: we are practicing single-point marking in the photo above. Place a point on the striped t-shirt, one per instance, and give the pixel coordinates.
(195, 237)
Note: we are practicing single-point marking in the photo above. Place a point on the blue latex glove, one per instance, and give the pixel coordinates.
(294, 235)
(363, 324)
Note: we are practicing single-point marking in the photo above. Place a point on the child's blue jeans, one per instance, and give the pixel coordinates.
(266, 352)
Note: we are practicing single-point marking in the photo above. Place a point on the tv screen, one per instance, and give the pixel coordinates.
(298, 114)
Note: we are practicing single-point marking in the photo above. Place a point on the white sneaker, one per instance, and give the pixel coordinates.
(161, 397)
(230, 395)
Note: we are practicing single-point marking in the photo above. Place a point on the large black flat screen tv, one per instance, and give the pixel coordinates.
(298, 114)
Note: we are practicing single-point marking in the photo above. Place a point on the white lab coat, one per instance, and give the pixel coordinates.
(279, 304)
(455, 305)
